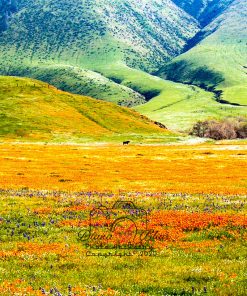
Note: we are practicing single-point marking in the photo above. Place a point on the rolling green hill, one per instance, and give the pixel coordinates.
(219, 60)
(105, 49)
(80, 81)
(55, 41)
(176, 105)
(35, 111)
(140, 33)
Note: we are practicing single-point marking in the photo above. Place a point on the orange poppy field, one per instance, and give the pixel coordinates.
(123, 220)
(218, 169)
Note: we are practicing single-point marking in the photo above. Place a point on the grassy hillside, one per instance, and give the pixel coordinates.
(220, 60)
(7, 8)
(81, 81)
(204, 10)
(92, 47)
(56, 41)
(141, 33)
(32, 110)
(85, 32)
(176, 105)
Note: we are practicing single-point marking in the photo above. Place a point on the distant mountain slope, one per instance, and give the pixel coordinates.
(140, 33)
(33, 110)
(73, 35)
(204, 10)
(7, 8)
(103, 48)
(219, 61)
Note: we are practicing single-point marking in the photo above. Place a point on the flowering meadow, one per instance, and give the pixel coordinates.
(190, 227)
(218, 169)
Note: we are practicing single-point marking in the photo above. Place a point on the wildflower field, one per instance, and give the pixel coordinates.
(190, 199)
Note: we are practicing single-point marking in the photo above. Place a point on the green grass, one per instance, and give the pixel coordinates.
(37, 111)
(174, 271)
(74, 57)
(83, 32)
(220, 59)
(80, 81)
(176, 105)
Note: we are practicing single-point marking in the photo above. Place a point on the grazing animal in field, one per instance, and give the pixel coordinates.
(126, 142)
(161, 125)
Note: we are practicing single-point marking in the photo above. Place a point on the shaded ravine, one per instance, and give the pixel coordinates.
(148, 95)
(218, 96)
(152, 93)
(217, 93)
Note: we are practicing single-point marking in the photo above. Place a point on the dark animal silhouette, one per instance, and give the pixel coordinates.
(126, 142)
(161, 125)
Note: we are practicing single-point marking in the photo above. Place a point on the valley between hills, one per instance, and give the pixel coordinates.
(123, 136)
(174, 62)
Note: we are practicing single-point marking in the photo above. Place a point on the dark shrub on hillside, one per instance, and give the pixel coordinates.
(231, 128)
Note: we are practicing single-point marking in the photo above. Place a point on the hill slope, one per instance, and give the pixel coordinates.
(141, 33)
(219, 61)
(33, 110)
(204, 10)
(92, 47)
(55, 41)
(176, 105)
(7, 8)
